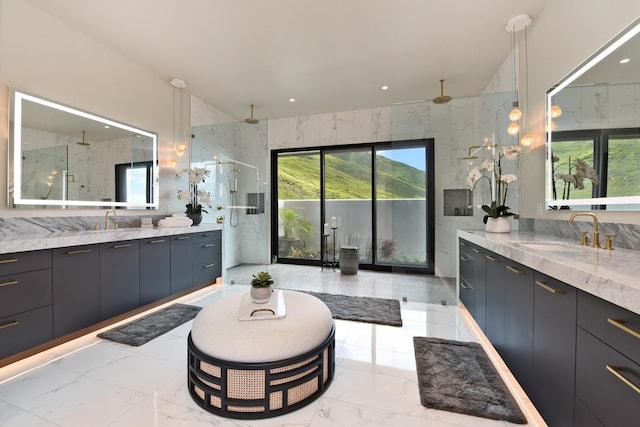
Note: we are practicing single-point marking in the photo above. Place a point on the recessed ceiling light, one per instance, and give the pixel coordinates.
(106, 126)
(385, 87)
(292, 100)
(625, 60)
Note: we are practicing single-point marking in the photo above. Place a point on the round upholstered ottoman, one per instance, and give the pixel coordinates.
(260, 368)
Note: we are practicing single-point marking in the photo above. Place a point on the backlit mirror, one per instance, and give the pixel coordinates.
(593, 130)
(63, 157)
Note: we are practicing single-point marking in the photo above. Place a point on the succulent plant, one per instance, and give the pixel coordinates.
(261, 280)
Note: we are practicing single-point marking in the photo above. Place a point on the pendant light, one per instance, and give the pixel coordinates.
(179, 147)
(517, 23)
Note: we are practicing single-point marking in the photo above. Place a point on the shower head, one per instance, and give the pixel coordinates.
(442, 99)
(251, 120)
(83, 142)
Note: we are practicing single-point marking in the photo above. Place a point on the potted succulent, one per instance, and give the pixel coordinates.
(261, 287)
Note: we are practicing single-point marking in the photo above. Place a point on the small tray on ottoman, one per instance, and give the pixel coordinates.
(272, 309)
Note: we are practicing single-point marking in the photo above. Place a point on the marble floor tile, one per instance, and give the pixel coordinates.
(95, 382)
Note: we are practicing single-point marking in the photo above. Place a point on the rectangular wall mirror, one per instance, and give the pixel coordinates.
(62, 157)
(593, 132)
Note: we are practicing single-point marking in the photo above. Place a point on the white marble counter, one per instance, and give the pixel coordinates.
(611, 275)
(49, 240)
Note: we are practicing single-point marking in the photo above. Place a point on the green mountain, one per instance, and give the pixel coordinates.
(348, 176)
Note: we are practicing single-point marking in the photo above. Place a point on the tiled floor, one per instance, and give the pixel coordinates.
(91, 382)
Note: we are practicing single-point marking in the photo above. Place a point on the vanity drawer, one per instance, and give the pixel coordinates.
(206, 236)
(24, 261)
(206, 273)
(206, 252)
(25, 330)
(25, 291)
(601, 381)
(612, 324)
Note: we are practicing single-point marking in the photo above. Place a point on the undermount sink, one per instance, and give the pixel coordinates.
(548, 246)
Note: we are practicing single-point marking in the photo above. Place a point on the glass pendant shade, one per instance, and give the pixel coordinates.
(556, 112)
(513, 129)
(527, 139)
(515, 115)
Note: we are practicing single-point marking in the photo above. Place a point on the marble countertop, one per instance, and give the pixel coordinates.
(609, 274)
(49, 240)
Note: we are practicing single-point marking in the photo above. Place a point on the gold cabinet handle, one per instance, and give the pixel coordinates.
(153, 242)
(128, 245)
(13, 282)
(622, 378)
(210, 245)
(463, 243)
(207, 235)
(478, 251)
(208, 265)
(514, 270)
(182, 238)
(618, 324)
(81, 251)
(492, 258)
(464, 259)
(7, 261)
(546, 287)
(9, 324)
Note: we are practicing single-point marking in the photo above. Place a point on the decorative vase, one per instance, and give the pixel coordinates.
(195, 217)
(260, 295)
(498, 225)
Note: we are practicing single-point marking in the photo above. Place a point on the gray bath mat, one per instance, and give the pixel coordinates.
(146, 328)
(381, 311)
(458, 377)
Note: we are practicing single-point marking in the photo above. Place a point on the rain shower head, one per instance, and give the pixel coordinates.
(442, 99)
(251, 120)
(83, 142)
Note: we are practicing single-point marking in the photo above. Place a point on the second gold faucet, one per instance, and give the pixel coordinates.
(106, 220)
(596, 233)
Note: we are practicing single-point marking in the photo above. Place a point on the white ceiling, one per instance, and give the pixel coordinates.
(330, 55)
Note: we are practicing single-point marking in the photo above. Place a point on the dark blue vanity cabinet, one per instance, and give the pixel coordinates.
(530, 320)
(155, 269)
(181, 262)
(206, 253)
(119, 277)
(472, 280)
(25, 301)
(53, 293)
(607, 364)
(576, 356)
(76, 288)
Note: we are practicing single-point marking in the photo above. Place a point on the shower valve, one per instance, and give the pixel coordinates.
(220, 207)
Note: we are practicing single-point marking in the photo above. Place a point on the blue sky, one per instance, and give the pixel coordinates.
(410, 156)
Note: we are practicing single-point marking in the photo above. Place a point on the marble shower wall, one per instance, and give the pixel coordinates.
(454, 126)
(230, 141)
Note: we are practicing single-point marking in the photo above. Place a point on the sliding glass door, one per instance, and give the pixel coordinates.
(376, 199)
(401, 206)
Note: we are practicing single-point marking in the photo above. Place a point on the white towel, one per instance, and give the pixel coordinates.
(175, 222)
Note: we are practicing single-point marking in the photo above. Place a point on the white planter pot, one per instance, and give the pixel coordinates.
(260, 295)
(498, 225)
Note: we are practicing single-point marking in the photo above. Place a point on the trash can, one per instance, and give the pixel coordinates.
(349, 260)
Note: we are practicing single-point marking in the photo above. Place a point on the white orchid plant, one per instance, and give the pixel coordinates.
(491, 170)
(196, 197)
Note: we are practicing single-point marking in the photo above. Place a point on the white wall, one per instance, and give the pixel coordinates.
(40, 54)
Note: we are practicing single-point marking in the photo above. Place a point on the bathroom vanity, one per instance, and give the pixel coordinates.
(53, 286)
(564, 317)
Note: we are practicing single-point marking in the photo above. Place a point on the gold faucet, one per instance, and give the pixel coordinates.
(596, 234)
(106, 219)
